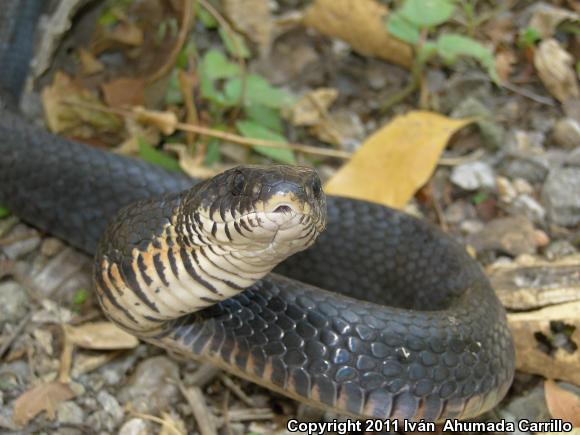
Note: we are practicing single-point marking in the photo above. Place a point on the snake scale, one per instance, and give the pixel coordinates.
(407, 328)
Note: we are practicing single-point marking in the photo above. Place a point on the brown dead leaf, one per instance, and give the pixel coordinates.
(556, 69)
(43, 397)
(562, 403)
(504, 64)
(191, 165)
(100, 335)
(253, 19)
(361, 23)
(395, 161)
(127, 33)
(530, 358)
(547, 17)
(124, 91)
(75, 120)
(89, 63)
(311, 107)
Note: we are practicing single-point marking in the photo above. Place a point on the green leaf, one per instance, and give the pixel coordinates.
(265, 116)
(190, 50)
(451, 46)
(152, 155)
(235, 44)
(212, 153)
(80, 296)
(215, 66)
(528, 37)
(480, 197)
(403, 29)
(257, 91)
(427, 13)
(4, 212)
(257, 131)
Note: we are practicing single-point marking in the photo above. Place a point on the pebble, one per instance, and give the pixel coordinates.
(51, 246)
(473, 176)
(459, 211)
(153, 386)
(512, 235)
(505, 189)
(561, 197)
(530, 406)
(135, 426)
(533, 169)
(566, 133)
(529, 207)
(70, 412)
(559, 249)
(522, 186)
(493, 133)
(110, 406)
(14, 302)
(28, 241)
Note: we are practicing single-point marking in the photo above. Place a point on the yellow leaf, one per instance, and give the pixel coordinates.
(43, 397)
(361, 23)
(395, 161)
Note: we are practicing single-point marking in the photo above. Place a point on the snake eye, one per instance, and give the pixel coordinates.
(238, 184)
(317, 188)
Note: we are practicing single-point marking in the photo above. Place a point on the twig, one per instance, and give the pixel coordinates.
(202, 414)
(454, 161)
(237, 391)
(204, 375)
(20, 238)
(158, 420)
(19, 328)
(223, 135)
(186, 16)
(528, 94)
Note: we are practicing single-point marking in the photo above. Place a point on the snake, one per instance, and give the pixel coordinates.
(343, 304)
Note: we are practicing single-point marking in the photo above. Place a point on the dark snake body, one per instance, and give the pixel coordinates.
(440, 349)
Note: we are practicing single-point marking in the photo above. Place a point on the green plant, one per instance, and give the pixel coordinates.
(413, 23)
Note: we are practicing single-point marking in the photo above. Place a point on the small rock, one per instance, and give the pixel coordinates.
(110, 405)
(513, 236)
(522, 186)
(533, 169)
(471, 226)
(529, 141)
(529, 207)
(13, 302)
(473, 176)
(153, 386)
(505, 189)
(566, 133)
(135, 426)
(559, 249)
(530, 406)
(26, 241)
(541, 239)
(492, 132)
(70, 412)
(561, 196)
(51, 246)
(459, 211)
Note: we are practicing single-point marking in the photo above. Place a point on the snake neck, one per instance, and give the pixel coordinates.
(151, 268)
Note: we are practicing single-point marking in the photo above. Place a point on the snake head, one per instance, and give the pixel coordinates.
(260, 211)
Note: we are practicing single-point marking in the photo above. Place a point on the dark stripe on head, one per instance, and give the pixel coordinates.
(111, 297)
(172, 263)
(214, 229)
(227, 231)
(237, 228)
(245, 225)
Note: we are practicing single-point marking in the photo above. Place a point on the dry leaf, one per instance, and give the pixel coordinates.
(361, 23)
(562, 403)
(126, 32)
(556, 69)
(191, 165)
(546, 18)
(530, 358)
(75, 119)
(253, 19)
(395, 161)
(124, 91)
(100, 335)
(504, 64)
(172, 425)
(312, 106)
(43, 397)
(89, 63)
